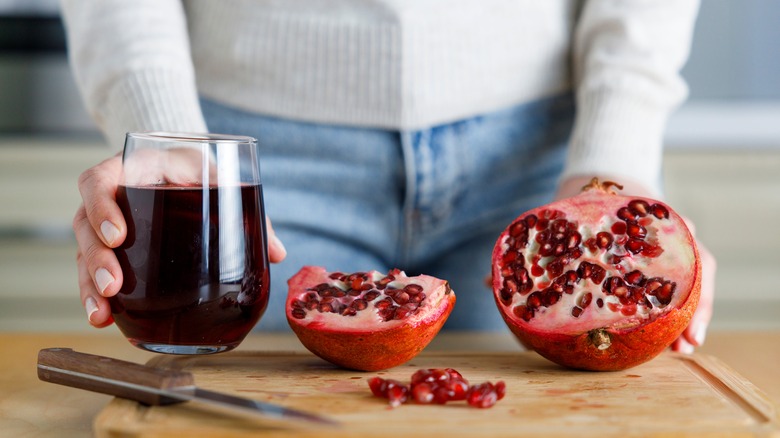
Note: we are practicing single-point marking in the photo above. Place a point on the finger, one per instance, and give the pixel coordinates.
(276, 250)
(97, 307)
(682, 346)
(98, 260)
(97, 186)
(696, 331)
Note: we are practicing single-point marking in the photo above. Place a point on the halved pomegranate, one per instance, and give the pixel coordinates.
(598, 281)
(366, 320)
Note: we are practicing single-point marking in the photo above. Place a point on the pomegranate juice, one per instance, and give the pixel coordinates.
(195, 267)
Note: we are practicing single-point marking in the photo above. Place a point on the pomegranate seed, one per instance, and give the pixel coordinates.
(371, 295)
(586, 299)
(482, 396)
(401, 298)
(387, 313)
(634, 277)
(348, 311)
(639, 207)
(537, 271)
(598, 274)
(634, 246)
(422, 393)
(652, 251)
(359, 304)
(604, 240)
(626, 214)
(298, 313)
(555, 268)
(413, 289)
(636, 230)
(550, 297)
(336, 275)
(397, 395)
(664, 293)
(441, 395)
(653, 284)
(457, 389)
(600, 302)
(384, 303)
(660, 211)
(500, 387)
(576, 311)
(517, 229)
(534, 300)
(378, 386)
(455, 374)
(574, 240)
(619, 228)
(524, 312)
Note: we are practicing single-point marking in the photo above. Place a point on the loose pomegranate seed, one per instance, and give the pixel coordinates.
(437, 386)
(482, 396)
(397, 395)
(422, 393)
(500, 387)
(378, 386)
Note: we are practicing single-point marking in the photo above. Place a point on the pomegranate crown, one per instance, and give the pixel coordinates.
(607, 187)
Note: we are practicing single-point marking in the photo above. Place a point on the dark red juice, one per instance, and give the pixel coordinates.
(194, 263)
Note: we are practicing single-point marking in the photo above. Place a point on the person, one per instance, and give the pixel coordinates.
(394, 133)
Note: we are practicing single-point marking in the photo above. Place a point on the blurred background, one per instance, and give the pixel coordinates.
(722, 163)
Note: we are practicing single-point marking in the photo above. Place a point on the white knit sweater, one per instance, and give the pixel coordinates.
(398, 64)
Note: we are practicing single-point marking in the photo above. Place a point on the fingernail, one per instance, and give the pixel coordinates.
(91, 307)
(278, 244)
(103, 278)
(110, 232)
(701, 335)
(686, 348)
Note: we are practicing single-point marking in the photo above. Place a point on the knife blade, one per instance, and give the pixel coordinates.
(155, 386)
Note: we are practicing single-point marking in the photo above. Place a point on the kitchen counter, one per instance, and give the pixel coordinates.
(29, 407)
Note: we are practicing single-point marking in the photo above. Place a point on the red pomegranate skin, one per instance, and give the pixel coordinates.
(369, 344)
(625, 341)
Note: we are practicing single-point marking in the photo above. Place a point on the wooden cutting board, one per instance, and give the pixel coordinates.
(672, 395)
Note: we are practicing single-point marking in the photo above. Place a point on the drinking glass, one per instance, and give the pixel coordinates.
(195, 260)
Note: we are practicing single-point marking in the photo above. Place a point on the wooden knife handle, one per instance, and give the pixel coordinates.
(110, 376)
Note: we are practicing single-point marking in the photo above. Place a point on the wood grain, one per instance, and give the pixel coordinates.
(673, 395)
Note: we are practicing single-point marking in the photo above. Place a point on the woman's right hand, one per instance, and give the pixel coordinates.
(99, 226)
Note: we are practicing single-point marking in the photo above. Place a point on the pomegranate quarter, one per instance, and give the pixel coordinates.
(366, 321)
(598, 281)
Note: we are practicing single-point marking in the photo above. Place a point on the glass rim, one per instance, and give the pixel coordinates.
(191, 137)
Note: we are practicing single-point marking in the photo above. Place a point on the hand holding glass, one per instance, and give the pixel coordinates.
(195, 260)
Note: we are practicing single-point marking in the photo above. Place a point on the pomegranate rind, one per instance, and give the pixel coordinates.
(625, 341)
(365, 342)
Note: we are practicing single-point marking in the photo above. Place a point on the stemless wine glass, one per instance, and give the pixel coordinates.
(195, 260)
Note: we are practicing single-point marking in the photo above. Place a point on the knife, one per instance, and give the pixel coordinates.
(155, 386)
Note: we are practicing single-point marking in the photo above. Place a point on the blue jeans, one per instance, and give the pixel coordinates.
(427, 201)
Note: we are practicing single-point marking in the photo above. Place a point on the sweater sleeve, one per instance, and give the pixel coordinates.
(132, 64)
(627, 58)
